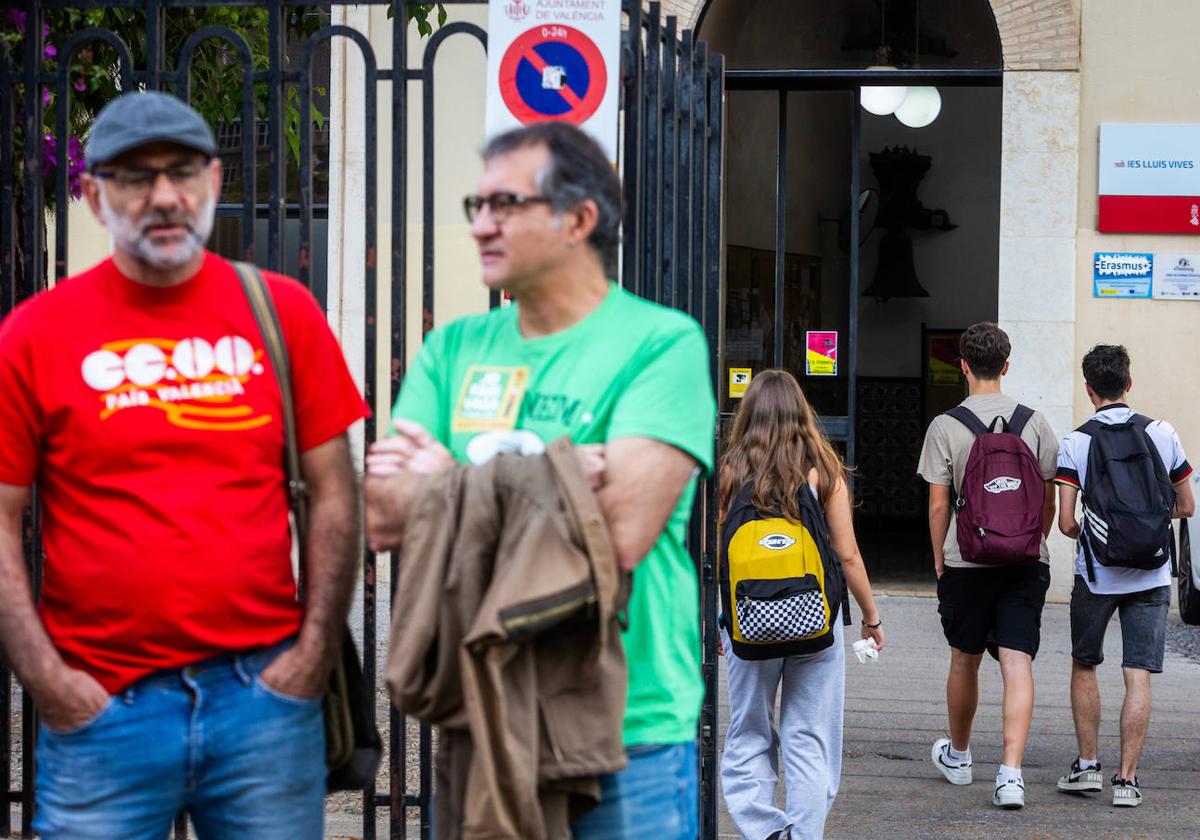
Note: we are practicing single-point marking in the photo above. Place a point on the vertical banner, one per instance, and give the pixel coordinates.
(555, 60)
(822, 352)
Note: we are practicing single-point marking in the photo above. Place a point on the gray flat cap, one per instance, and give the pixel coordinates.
(136, 119)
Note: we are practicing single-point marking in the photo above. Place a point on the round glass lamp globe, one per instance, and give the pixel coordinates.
(920, 107)
(882, 100)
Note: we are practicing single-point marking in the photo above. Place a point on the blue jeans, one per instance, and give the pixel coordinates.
(210, 739)
(656, 796)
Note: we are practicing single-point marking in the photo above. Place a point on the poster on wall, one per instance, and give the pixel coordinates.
(550, 61)
(1149, 178)
(944, 368)
(822, 352)
(1176, 277)
(739, 381)
(1122, 274)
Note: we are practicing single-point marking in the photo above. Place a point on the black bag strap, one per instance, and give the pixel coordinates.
(1021, 415)
(268, 324)
(1088, 558)
(969, 419)
(1141, 421)
(1171, 551)
(808, 501)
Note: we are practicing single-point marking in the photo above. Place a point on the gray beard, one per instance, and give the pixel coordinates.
(130, 237)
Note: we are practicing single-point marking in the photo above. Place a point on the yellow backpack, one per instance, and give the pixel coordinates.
(782, 584)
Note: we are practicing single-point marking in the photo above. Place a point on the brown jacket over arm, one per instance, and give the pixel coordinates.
(505, 624)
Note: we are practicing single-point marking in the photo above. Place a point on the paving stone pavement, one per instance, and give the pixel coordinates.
(895, 708)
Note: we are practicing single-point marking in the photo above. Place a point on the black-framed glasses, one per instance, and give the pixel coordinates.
(499, 204)
(140, 180)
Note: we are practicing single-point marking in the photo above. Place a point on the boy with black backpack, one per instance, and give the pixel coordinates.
(989, 464)
(1133, 475)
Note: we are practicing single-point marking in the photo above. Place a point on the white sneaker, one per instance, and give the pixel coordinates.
(1126, 793)
(956, 773)
(1010, 795)
(1081, 781)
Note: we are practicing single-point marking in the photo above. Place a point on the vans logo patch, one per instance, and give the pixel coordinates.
(777, 542)
(1002, 484)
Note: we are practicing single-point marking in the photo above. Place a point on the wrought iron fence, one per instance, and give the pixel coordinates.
(672, 100)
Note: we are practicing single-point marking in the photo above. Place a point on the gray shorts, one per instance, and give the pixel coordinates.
(1143, 626)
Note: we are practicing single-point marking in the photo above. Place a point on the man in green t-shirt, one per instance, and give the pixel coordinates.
(628, 380)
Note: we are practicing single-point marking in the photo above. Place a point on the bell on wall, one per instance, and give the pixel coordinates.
(899, 172)
(895, 275)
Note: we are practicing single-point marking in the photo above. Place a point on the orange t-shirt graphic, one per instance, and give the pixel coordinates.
(149, 420)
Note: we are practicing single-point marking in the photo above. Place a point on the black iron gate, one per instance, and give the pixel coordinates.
(671, 159)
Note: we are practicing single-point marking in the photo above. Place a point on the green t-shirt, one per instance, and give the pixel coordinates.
(630, 369)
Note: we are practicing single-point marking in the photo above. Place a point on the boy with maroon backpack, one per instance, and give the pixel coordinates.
(989, 463)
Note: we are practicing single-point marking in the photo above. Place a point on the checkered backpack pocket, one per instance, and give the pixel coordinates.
(780, 610)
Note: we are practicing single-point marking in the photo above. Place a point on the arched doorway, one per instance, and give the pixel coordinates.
(857, 235)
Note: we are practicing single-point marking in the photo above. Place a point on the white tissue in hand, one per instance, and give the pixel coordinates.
(865, 650)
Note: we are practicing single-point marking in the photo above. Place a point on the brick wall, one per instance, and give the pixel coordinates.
(1036, 34)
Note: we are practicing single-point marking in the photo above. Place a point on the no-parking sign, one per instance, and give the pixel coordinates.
(555, 60)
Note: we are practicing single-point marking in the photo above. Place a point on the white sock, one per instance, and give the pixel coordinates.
(963, 757)
(1008, 774)
(1089, 763)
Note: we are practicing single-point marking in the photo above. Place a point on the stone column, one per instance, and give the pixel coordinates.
(1038, 201)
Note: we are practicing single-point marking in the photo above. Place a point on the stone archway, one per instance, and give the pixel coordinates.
(1039, 212)
(1034, 34)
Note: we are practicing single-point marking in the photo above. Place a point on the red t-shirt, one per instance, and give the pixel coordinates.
(149, 418)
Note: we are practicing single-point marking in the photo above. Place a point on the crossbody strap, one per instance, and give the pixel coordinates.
(265, 314)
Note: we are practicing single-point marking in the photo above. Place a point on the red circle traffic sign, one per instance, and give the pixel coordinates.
(553, 73)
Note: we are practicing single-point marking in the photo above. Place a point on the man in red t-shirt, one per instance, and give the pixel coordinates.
(171, 662)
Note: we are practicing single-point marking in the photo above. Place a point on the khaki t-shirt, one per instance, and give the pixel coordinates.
(948, 443)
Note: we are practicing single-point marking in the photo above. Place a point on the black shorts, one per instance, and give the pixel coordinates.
(1143, 626)
(987, 609)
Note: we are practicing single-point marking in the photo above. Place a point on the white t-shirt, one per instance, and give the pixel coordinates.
(1072, 469)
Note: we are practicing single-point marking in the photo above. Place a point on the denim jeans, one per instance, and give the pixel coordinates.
(211, 739)
(657, 796)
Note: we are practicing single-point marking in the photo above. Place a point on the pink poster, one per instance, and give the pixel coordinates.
(822, 353)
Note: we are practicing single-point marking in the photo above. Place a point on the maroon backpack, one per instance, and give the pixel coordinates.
(999, 506)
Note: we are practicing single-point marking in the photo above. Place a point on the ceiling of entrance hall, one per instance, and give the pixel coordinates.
(847, 34)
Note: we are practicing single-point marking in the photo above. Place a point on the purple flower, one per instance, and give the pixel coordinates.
(50, 51)
(80, 85)
(75, 161)
(45, 96)
(45, 31)
(49, 154)
(17, 17)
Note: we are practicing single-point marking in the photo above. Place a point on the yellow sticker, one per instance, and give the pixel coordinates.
(490, 398)
(739, 381)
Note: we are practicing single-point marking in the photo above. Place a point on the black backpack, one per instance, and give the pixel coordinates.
(1128, 498)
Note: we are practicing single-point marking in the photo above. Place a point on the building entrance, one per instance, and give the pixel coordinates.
(860, 244)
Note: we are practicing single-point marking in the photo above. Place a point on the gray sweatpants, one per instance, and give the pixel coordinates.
(809, 737)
